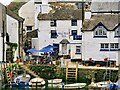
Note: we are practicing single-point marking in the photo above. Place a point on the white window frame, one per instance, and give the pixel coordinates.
(114, 45)
(117, 31)
(100, 31)
(104, 46)
(78, 49)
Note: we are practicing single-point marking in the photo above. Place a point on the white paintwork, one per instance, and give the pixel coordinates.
(1, 50)
(30, 11)
(12, 29)
(63, 29)
(27, 12)
(91, 46)
(87, 15)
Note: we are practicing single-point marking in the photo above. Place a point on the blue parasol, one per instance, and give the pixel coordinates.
(46, 50)
(32, 50)
(50, 46)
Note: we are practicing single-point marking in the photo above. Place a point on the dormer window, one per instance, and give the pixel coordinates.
(117, 32)
(100, 31)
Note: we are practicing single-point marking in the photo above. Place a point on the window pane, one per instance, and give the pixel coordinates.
(53, 34)
(96, 33)
(78, 48)
(117, 32)
(73, 22)
(104, 32)
(111, 45)
(100, 31)
(53, 23)
(74, 32)
(116, 45)
(102, 45)
(29, 27)
(106, 45)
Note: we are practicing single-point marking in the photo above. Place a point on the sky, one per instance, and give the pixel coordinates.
(5, 2)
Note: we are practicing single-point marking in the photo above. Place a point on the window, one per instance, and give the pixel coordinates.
(29, 27)
(53, 23)
(73, 22)
(78, 49)
(114, 46)
(117, 32)
(53, 34)
(7, 37)
(100, 31)
(109, 47)
(77, 37)
(104, 46)
(74, 32)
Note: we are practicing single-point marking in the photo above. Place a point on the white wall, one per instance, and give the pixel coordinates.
(91, 47)
(73, 51)
(12, 30)
(27, 12)
(63, 29)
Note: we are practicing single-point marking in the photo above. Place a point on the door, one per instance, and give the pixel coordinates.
(64, 49)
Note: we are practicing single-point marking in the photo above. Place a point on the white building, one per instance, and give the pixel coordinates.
(101, 32)
(11, 26)
(56, 30)
(62, 29)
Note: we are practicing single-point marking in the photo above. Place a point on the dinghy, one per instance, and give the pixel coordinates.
(37, 82)
(74, 85)
(103, 84)
(54, 81)
(21, 80)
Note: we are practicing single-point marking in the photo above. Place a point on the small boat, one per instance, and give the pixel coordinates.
(54, 85)
(37, 81)
(103, 84)
(55, 81)
(74, 86)
(114, 85)
(21, 80)
(19, 84)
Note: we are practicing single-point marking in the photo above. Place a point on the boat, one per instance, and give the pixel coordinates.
(37, 82)
(57, 85)
(54, 81)
(74, 86)
(21, 80)
(13, 84)
(114, 85)
(103, 84)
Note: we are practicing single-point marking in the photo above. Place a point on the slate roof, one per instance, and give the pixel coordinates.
(66, 14)
(109, 21)
(105, 5)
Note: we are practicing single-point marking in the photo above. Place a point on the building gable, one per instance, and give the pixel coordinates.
(99, 24)
(117, 26)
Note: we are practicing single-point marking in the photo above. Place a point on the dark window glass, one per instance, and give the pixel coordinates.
(53, 23)
(29, 27)
(73, 22)
(53, 34)
(74, 32)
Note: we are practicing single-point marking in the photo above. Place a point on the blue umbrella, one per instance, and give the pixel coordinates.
(32, 50)
(50, 46)
(46, 50)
